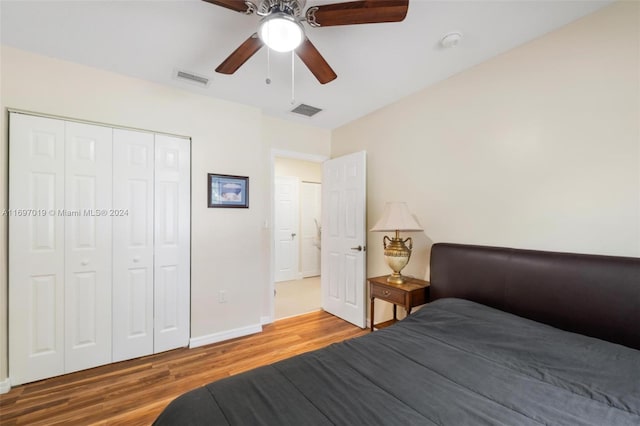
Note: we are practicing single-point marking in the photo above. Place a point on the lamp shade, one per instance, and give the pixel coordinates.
(396, 217)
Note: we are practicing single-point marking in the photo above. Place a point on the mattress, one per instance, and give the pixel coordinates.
(453, 362)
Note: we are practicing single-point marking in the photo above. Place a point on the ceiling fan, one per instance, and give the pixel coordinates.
(281, 27)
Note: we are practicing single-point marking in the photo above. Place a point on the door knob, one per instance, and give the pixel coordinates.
(293, 235)
(359, 248)
(136, 259)
(84, 262)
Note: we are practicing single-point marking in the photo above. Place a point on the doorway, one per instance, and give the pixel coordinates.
(296, 232)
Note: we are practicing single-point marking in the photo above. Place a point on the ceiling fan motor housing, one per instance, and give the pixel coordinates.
(290, 7)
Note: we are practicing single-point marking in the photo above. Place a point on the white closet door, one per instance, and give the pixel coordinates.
(36, 248)
(172, 243)
(133, 169)
(88, 204)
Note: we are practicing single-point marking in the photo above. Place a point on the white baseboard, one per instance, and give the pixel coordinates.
(195, 342)
(265, 320)
(5, 385)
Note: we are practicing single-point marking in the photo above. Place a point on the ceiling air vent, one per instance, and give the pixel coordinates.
(192, 78)
(306, 110)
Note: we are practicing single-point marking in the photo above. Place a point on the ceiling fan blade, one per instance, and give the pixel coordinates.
(240, 55)
(357, 12)
(315, 62)
(235, 5)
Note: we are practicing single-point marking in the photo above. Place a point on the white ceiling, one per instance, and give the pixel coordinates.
(376, 64)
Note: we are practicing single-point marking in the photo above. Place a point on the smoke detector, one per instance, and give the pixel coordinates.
(451, 40)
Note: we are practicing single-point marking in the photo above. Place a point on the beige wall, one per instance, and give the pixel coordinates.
(295, 137)
(537, 148)
(230, 247)
(306, 171)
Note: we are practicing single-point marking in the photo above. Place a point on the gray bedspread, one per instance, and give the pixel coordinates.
(453, 362)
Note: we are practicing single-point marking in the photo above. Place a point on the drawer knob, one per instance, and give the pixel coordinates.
(386, 292)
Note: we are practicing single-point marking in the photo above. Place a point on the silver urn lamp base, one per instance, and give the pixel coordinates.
(397, 255)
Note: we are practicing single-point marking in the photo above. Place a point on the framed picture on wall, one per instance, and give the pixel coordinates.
(228, 191)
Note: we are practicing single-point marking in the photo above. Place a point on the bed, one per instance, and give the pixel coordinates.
(511, 337)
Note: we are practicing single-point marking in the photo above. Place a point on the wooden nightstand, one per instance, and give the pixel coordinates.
(413, 292)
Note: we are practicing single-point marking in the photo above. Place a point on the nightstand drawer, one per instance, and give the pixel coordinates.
(393, 295)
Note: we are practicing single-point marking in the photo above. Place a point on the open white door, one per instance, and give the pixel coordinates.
(287, 215)
(344, 237)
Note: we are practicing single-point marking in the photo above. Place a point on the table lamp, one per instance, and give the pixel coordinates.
(396, 217)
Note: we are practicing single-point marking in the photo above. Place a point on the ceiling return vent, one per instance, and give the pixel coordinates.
(306, 110)
(192, 78)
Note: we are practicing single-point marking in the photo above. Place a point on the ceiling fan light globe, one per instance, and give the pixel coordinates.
(281, 32)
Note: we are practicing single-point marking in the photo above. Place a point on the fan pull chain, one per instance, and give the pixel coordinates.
(293, 79)
(268, 79)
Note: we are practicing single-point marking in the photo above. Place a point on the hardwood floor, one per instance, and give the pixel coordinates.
(135, 392)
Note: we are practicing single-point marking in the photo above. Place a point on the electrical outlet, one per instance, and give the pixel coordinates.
(222, 296)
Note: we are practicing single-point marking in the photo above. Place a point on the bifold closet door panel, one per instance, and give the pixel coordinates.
(172, 243)
(133, 175)
(36, 248)
(88, 206)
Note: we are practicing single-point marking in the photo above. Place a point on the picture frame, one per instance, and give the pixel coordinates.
(227, 191)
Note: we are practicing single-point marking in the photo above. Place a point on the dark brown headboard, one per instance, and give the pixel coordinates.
(594, 295)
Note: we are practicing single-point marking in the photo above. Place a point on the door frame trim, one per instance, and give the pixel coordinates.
(279, 153)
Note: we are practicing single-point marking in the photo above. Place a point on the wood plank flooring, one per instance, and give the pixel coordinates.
(134, 392)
